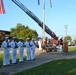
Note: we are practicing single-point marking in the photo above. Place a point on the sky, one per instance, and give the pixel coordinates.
(63, 12)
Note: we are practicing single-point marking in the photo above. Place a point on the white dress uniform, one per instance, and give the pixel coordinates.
(39, 43)
(6, 59)
(32, 50)
(59, 48)
(21, 50)
(14, 51)
(28, 50)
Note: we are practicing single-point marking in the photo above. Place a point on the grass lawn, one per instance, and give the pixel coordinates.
(1, 59)
(71, 48)
(55, 67)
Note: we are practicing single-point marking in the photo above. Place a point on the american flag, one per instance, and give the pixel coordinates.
(2, 10)
(50, 3)
(38, 2)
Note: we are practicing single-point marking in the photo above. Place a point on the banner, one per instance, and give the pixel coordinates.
(2, 10)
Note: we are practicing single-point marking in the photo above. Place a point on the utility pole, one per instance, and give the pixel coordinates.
(43, 30)
(66, 31)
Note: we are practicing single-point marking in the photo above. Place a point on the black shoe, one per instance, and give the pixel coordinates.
(28, 60)
(14, 63)
(21, 61)
(4, 65)
(33, 59)
(9, 65)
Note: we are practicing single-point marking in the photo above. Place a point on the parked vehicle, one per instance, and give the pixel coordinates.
(71, 43)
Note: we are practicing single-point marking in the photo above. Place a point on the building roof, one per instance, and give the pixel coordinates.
(4, 31)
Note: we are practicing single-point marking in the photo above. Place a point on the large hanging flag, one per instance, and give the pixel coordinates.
(38, 2)
(50, 3)
(2, 10)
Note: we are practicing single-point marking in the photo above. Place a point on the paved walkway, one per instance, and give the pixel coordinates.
(41, 58)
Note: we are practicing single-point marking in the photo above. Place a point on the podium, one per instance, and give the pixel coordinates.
(65, 46)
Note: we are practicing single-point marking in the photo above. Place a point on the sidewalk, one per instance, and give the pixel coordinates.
(41, 58)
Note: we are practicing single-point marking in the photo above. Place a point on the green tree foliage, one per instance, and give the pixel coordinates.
(24, 32)
(68, 38)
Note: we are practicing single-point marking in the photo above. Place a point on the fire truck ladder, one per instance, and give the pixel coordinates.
(35, 18)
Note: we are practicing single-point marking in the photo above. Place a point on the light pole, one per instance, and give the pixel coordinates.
(43, 30)
(66, 31)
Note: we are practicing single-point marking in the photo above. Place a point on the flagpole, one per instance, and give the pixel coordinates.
(43, 30)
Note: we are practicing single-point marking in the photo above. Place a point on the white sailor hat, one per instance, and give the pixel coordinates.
(6, 37)
(33, 39)
(20, 38)
(28, 38)
(14, 37)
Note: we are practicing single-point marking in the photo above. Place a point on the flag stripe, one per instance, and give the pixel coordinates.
(2, 10)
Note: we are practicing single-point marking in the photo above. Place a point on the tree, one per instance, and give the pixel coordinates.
(68, 38)
(24, 32)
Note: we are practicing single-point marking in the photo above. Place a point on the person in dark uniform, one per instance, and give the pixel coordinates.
(61, 41)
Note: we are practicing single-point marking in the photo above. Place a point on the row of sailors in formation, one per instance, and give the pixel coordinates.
(30, 50)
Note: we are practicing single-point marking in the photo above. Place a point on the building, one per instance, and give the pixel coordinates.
(3, 33)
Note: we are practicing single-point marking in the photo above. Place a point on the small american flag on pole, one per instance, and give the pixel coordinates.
(38, 2)
(2, 10)
(50, 3)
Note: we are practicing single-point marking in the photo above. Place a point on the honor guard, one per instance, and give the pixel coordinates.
(33, 47)
(5, 45)
(27, 44)
(14, 50)
(21, 49)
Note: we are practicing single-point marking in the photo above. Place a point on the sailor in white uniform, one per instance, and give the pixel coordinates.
(21, 49)
(27, 44)
(14, 50)
(5, 45)
(32, 50)
(39, 43)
